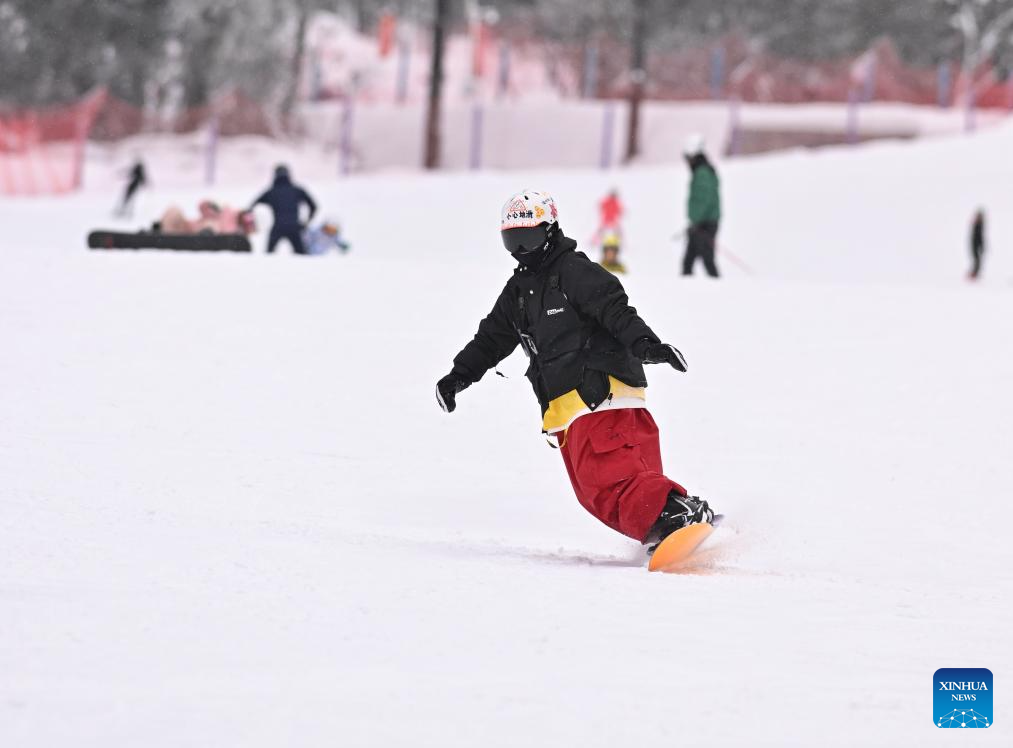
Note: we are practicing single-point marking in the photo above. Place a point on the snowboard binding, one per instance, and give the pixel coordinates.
(684, 523)
(679, 512)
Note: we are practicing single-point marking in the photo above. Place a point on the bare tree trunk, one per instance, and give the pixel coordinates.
(298, 57)
(362, 16)
(638, 78)
(432, 154)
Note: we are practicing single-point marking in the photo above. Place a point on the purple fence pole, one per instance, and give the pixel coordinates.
(404, 56)
(945, 84)
(345, 137)
(590, 88)
(211, 152)
(476, 136)
(970, 107)
(852, 127)
(316, 76)
(608, 124)
(869, 90)
(504, 68)
(734, 126)
(717, 82)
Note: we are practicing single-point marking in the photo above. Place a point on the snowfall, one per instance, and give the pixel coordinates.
(232, 514)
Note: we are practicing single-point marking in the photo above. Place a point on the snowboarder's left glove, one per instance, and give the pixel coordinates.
(659, 353)
(447, 389)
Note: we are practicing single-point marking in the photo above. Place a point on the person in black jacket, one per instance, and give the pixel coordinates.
(586, 348)
(977, 244)
(286, 199)
(137, 178)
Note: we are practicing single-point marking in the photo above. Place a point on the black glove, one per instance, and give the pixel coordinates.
(447, 389)
(659, 353)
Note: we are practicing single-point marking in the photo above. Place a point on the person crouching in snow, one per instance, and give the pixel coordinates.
(286, 199)
(319, 240)
(586, 348)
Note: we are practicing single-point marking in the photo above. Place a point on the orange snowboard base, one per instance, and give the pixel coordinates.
(678, 547)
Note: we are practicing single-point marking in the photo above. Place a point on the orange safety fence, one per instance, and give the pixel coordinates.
(728, 67)
(42, 150)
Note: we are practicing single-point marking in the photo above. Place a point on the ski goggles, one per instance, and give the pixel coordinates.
(525, 239)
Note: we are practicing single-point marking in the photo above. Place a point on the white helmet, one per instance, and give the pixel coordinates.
(694, 145)
(526, 209)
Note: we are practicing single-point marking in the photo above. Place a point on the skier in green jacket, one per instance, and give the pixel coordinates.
(704, 209)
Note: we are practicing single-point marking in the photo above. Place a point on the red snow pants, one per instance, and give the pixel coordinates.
(614, 461)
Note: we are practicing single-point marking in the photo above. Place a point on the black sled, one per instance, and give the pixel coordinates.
(180, 242)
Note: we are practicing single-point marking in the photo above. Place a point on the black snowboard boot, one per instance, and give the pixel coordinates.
(679, 512)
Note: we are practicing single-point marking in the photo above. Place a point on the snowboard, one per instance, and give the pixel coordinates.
(153, 240)
(674, 550)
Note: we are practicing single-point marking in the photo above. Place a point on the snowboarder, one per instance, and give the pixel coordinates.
(704, 209)
(610, 216)
(586, 348)
(137, 178)
(286, 199)
(977, 244)
(610, 254)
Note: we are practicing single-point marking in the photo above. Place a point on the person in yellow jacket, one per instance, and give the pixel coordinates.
(610, 254)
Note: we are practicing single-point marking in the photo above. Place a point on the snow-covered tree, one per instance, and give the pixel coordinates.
(986, 27)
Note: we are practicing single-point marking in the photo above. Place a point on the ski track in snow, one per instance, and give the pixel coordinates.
(232, 514)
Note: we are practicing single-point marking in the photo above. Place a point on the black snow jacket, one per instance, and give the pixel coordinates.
(137, 175)
(574, 322)
(978, 235)
(285, 198)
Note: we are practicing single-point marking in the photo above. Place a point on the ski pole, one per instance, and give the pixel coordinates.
(735, 259)
(723, 249)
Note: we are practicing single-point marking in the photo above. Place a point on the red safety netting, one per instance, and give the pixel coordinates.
(878, 74)
(42, 150)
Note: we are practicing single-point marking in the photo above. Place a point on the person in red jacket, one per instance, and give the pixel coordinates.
(610, 210)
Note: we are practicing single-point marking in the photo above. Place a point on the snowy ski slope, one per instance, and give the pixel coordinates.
(231, 513)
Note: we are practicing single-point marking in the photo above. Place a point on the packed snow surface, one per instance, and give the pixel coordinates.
(231, 513)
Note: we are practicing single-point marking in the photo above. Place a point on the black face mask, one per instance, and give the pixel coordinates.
(527, 242)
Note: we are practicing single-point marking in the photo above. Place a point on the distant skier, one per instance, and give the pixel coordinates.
(977, 244)
(704, 209)
(586, 348)
(137, 178)
(286, 199)
(610, 214)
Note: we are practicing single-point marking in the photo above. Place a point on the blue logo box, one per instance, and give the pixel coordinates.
(962, 697)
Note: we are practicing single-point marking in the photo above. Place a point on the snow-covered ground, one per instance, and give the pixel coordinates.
(231, 512)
